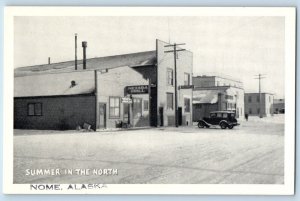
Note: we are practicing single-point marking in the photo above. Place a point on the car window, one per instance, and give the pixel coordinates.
(213, 114)
(225, 115)
(232, 115)
(219, 114)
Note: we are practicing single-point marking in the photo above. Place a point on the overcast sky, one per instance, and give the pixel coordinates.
(240, 47)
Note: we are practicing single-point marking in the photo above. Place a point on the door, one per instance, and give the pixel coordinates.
(126, 112)
(161, 116)
(102, 115)
(180, 116)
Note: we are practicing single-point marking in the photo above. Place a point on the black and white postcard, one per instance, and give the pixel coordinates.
(149, 100)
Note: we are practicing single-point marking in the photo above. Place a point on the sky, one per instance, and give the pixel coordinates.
(239, 47)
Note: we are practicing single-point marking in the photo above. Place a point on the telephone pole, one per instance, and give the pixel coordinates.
(174, 51)
(75, 51)
(260, 76)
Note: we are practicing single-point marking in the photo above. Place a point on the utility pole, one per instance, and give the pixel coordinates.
(174, 51)
(260, 76)
(75, 51)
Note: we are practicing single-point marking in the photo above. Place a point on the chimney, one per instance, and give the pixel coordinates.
(49, 62)
(84, 45)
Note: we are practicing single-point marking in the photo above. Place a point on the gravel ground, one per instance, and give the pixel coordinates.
(252, 153)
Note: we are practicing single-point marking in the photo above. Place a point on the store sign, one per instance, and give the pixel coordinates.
(126, 100)
(139, 89)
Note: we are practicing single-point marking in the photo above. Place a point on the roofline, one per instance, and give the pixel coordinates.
(86, 59)
(215, 87)
(56, 96)
(209, 76)
(258, 93)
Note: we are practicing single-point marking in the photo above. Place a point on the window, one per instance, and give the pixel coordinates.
(187, 105)
(146, 105)
(250, 111)
(228, 97)
(213, 115)
(137, 107)
(225, 115)
(170, 76)
(34, 109)
(258, 110)
(219, 115)
(114, 107)
(186, 79)
(249, 99)
(170, 101)
(258, 98)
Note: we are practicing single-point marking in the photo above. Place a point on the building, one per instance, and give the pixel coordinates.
(278, 106)
(213, 93)
(256, 104)
(136, 88)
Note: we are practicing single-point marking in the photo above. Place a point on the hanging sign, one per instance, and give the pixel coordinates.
(138, 89)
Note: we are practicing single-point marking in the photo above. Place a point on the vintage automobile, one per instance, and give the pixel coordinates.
(225, 119)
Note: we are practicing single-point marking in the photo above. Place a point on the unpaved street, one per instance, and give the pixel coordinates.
(252, 153)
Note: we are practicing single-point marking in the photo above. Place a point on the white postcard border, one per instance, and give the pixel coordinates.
(242, 189)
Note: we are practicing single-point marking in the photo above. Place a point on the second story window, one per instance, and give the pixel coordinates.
(170, 76)
(186, 79)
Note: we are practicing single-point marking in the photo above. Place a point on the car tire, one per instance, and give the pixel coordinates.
(230, 126)
(223, 125)
(201, 124)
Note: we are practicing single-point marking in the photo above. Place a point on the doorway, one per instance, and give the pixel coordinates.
(102, 115)
(161, 116)
(180, 116)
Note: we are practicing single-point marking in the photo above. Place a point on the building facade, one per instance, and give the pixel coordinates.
(137, 88)
(256, 104)
(215, 93)
(278, 106)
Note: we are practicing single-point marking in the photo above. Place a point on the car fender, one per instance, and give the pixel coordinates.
(223, 121)
(204, 122)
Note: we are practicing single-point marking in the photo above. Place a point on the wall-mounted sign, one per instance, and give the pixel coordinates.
(138, 89)
(186, 87)
(126, 100)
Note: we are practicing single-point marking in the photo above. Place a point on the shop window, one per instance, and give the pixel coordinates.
(249, 99)
(170, 76)
(186, 79)
(258, 98)
(250, 111)
(34, 109)
(170, 101)
(114, 107)
(146, 105)
(258, 110)
(187, 103)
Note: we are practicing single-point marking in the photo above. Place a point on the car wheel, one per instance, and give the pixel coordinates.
(201, 124)
(230, 126)
(223, 125)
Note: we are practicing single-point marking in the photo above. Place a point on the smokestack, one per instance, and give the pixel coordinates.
(84, 45)
(49, 62)
(75, 51)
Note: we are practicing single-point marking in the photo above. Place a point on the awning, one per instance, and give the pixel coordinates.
(205, 96)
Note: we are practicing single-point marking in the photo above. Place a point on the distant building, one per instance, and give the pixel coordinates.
(254, 106)
(212, 93)
(137, 88)
(278, 106)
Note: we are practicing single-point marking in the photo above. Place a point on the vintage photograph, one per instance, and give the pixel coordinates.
(154, 99)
